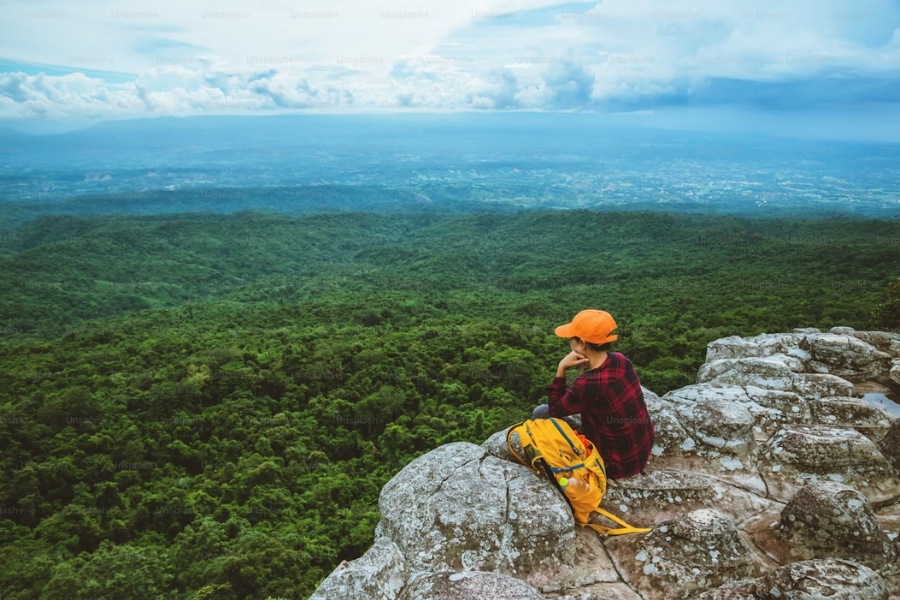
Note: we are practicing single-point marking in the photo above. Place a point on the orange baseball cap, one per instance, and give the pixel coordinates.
(593, 326)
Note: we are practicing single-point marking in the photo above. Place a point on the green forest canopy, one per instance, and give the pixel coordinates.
(207, 406)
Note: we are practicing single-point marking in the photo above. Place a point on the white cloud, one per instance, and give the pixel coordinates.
(207, 56)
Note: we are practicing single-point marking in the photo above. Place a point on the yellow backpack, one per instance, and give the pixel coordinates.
(552, 448)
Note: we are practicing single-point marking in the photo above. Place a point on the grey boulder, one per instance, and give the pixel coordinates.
(848, 357)
(379, 574)
(697, 551)
(826, 519)
(457, 508)
(469, 585)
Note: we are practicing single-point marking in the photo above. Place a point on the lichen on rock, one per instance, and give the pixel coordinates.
(469, 585)
(826, 519)
(694, 552)
(379, 574)
(826, 578)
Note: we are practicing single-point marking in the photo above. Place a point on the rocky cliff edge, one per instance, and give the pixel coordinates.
(771, 479)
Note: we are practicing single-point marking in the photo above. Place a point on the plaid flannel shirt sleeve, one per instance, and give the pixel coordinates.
(563, 402)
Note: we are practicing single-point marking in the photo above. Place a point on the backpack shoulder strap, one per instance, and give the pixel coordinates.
(626, 528)
(509, 433)
(538, 463)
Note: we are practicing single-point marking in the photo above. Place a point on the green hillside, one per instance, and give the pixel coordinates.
(207, 406)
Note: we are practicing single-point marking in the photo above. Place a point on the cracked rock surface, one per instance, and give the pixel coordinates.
(770, 478)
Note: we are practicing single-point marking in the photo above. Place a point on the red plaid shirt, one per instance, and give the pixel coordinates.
(613, 413)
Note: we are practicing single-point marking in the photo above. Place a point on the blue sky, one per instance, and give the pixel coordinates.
(129, 59)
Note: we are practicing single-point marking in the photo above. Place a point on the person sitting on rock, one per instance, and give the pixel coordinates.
(608, 395)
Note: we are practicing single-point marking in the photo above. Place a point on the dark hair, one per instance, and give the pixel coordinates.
(596, 347)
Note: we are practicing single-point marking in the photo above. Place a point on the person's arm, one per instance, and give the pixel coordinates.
(564, 402)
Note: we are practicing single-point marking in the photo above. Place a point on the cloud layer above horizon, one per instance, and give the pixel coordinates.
(106, 60)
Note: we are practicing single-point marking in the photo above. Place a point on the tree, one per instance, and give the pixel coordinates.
(886, 315)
